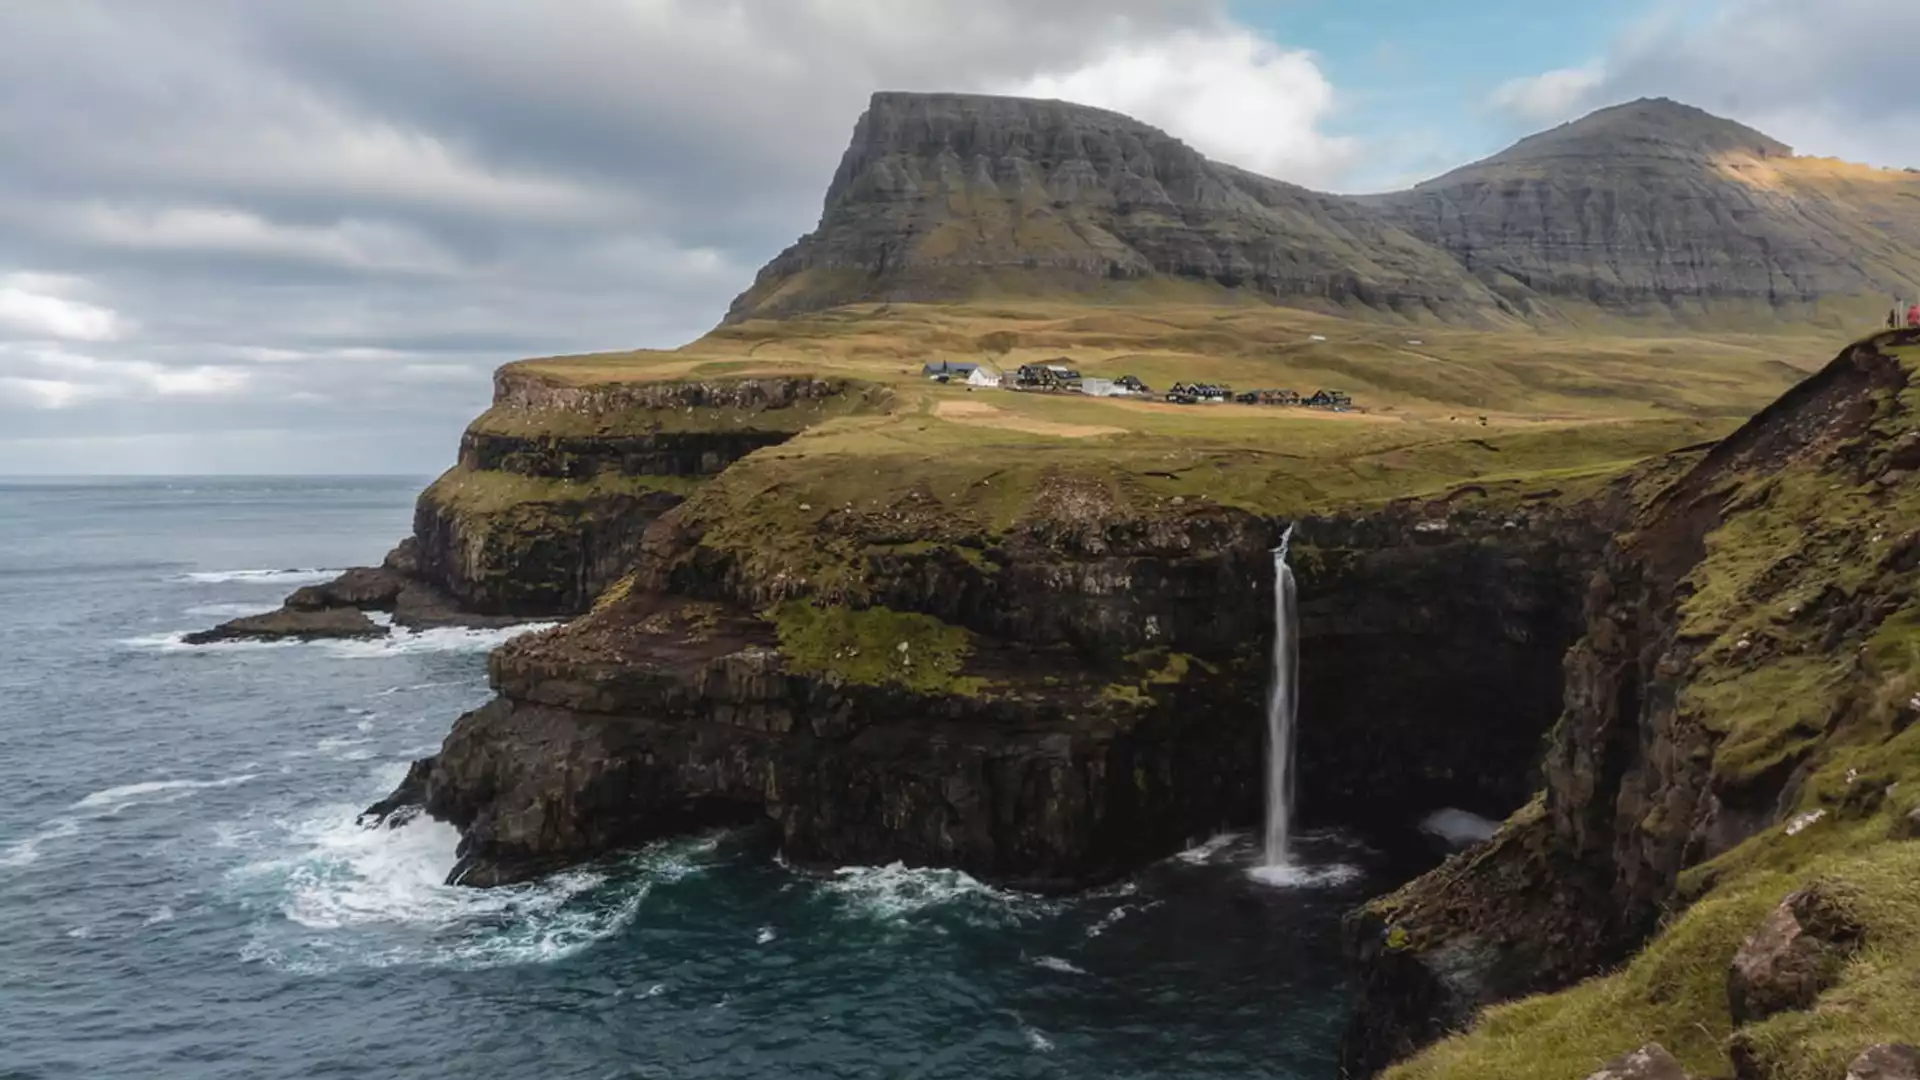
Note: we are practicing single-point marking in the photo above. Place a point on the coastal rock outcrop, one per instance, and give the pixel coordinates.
(292, 625)
(554, 489)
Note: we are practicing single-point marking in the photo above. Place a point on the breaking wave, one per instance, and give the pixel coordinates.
(1054, 963)
(896, 893)
(114, 799)
(229, 611)
(399, 642)
(103, 804)
(345, 896)
(261, 577)
(26, 851)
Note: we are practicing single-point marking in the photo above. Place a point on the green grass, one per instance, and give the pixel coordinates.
(875, 647)
(1675, 991)
(481, 493)
(1773, 690)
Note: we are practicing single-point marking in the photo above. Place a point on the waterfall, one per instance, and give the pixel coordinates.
(1283, 698)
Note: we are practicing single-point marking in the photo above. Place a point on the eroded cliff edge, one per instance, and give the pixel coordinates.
(553, 489)
(1738, 726)
(1045, 679)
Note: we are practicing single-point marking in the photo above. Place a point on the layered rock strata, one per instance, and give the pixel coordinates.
(553, 490)
(1048, 712)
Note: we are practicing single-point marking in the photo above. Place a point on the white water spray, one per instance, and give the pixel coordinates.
(1283, 697)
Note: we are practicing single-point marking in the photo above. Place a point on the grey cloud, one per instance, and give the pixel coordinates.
(1826, 77)
(331, 220)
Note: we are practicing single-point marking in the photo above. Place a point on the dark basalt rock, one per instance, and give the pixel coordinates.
(1887, 1061)
(606, 737)
(673, 707)
(292, 625)
(367, 588)
(1630, 799)
(337, 609)
(1794, 955)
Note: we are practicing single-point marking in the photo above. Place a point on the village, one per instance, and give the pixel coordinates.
(1061, 378)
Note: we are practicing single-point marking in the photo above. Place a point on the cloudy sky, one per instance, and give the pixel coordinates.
(297, 236)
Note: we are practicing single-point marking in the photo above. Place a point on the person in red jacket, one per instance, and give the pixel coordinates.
(1913, 314)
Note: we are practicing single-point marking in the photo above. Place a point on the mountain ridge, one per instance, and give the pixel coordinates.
(1650, 209)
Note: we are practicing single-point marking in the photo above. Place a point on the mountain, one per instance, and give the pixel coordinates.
(1650, 209)
(1655, 204)
(940, 194)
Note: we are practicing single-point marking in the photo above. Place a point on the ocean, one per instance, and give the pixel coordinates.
(184, 891)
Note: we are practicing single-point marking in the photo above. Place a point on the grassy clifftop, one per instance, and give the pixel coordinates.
(903, 461)
(1796, 673)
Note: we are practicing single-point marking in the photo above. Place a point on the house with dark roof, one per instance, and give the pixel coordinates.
(947, 370)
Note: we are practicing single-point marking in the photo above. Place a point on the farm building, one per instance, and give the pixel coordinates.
(1046, 377)
(984, 375)
(1124, 386)
(947, 370)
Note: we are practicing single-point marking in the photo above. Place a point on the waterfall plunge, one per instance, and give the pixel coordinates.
(1283, 697)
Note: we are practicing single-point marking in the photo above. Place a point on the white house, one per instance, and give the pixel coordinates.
(984, 376)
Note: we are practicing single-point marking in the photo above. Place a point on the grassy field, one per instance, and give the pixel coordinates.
(1436, 408)
(1391, 370)
(1441, 413)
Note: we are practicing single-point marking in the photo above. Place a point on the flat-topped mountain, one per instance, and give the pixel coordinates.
(1647, 209)
(947, 196)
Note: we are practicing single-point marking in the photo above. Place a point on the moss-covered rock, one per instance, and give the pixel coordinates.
(1737, 724)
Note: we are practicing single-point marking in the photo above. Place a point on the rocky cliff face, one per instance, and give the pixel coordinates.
(1647, 209)
(1046, 706)
(1743, 680)
(556, 485)
(1653, 205)
(553, 491)
(939, 191)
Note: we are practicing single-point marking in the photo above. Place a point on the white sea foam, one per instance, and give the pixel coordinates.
(1036, 1039)
(261, 577)
(416, 688)
(400, 642)
(26, 851)
(1205, 853)
(1459, 828)
(1301, 876)
(896, 892)
(439, 639)
(229, 611)
(162, 914)
(114, 799)
(765, 936)
(347, 896)
(1108, 920)
(1054, 963)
